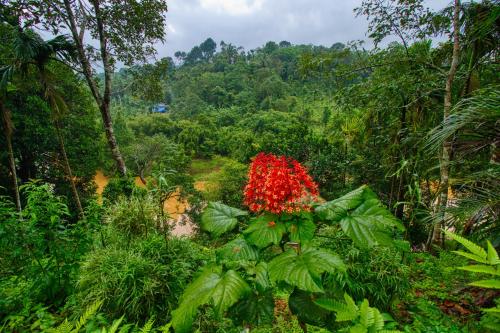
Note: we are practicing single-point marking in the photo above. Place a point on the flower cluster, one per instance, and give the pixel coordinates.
(278, 184)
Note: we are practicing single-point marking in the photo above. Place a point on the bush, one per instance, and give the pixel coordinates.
(116, 188)
(133, 216)
(379, 274)
(139, 282)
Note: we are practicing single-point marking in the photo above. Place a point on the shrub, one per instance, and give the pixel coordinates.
(133, 216)
(379, 275)
(139, 282)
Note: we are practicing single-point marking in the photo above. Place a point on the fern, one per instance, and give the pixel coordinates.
(363, 318)
(489, 264)
(148, 327)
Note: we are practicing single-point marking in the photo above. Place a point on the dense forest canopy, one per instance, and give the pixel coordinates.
(287, 188)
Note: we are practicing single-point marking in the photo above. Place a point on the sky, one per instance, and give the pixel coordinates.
(251, 23)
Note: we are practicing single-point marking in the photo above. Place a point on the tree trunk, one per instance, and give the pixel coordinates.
(437, 237)
(103, 101)
(7, 124)
(67, 168)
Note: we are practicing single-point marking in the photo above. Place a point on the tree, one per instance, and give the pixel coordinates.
(32, 50)
(445, 158)
(125, 30)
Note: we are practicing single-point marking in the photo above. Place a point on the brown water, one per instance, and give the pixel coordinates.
(176, 208)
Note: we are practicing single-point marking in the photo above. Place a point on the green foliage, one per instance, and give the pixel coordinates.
(140, 281)
(242, 282)
(362, 217)
(219, 218)
(303, 270)
(489, 263)
(362, 318)
(222, 290)
(379, 274)
(133, 217)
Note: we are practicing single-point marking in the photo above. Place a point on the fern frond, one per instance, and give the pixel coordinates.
(481, 269)
(492, 255)
(116, 324)
(65, 327)
(366, 314)
(148, 326)
(472, 247)
(471, 256)
(491, 284)
(89, 312)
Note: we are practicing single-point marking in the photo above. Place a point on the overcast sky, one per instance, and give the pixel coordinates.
(251, 23)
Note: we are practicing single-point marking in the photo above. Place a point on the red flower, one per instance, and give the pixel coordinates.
(278, 184)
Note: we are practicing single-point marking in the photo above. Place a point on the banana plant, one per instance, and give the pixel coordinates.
(277, 249)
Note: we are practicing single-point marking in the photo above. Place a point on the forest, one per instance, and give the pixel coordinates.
(286, 188)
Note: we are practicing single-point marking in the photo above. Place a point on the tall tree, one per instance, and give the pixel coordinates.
(31, 50)
(125, 31)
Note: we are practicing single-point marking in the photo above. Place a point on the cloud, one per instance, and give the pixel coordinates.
(251, 23)
(232, 7)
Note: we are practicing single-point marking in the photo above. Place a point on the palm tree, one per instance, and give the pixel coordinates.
(30, 50)
(474, 127)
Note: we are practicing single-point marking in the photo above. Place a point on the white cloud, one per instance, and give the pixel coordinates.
(232, 7)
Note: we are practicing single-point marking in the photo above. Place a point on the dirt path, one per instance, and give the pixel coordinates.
(173, 206)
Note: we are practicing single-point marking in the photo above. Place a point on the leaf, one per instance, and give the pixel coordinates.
(366, 314)
(362, 217)
(303, 270)
(491, 284)
(262, 276)
(334, 210)
(471, 256)
(257, 309)
(219, 218)
(265, 230)
(302, 305)
(302, 231)
(492, 255)
(475, 249)
(481, 269)
(347, 311)
(238, 250)
(230, 288)
(197, 293)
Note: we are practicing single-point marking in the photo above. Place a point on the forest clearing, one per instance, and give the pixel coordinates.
(237, 166)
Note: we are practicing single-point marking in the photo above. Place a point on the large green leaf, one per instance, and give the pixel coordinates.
(347, 311)
(230, 288)
(219, 218)
(362, 217)
(303, 270)
(211, 286)
(265, 230)
(302, 305)
(238, 250)
(262, 276)
(197, 293)
(256, 309)
(301, 230)
(336, 209)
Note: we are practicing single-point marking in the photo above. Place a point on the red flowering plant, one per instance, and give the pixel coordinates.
(279, 185)
(282, 222)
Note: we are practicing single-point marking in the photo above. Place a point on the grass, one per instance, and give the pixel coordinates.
(204, 170)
